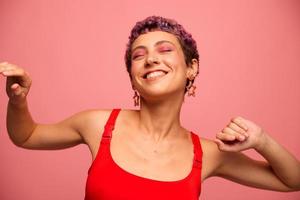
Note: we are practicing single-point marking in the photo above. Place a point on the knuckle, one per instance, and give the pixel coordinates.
(233, 119)
(229, 137)
(22, 72)
(235, 127)
(236, 118)
(222, 148)
(10, 65)
(226, 129)
(240, 118)
(232, 125)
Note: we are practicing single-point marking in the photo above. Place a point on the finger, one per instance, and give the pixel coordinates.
(222, 146)
(238, 129)
(17, 90)
(3, 63)
(239, 136)
(225, 137)
(23, 77)
(225, 147)
(5, 68)
(14, 71)
(240, 122)
(20, 73)
(7, 72)
(14, 86)
(219, 143)
(6, 65)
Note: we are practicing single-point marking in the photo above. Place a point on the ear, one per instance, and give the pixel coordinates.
(192, 69)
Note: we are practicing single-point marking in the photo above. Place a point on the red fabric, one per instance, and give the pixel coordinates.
(107, 181)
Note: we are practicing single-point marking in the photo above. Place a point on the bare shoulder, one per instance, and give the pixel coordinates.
(90, 123)
(212, 158)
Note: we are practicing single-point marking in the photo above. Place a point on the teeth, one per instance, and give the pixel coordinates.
(155, 74)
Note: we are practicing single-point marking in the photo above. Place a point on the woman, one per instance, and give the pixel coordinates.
(146, 153)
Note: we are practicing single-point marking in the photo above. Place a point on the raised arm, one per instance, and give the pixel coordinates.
(280, 171)
(22, 129)
(26, 133)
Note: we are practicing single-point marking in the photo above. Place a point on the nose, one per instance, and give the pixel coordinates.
(152, 60)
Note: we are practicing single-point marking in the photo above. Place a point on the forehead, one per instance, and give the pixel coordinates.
(150, 38)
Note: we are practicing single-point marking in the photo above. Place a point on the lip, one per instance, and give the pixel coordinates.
(156, 70)
(154, 79)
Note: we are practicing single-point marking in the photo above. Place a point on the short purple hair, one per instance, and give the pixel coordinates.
(154, 23)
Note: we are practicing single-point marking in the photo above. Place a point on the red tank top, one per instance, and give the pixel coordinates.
(108, 181)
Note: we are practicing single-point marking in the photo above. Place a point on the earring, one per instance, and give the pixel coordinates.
(191, 88)
(136, 98)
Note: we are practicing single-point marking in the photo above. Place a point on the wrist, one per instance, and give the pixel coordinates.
(262, 142)
(17, 105)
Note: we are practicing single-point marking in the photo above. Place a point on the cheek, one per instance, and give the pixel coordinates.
(135, 72)
(180, 68)
(177, 63)
(171, 61)
(135, 67)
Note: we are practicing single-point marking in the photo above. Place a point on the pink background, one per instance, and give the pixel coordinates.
(73, 49)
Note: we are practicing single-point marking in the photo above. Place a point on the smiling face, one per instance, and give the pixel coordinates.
(158, 66)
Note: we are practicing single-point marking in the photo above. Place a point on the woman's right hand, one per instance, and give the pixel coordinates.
(18, 82)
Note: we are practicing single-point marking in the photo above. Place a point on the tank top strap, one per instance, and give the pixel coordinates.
(110, 125)
(197, 151)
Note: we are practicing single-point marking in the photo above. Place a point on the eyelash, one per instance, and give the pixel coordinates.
(136, 56)
(166, 50)
(161, 50)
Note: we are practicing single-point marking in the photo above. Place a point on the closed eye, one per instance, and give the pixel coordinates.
(165, 49)
(137, 56)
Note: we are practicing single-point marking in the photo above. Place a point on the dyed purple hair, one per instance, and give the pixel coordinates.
(154, 23)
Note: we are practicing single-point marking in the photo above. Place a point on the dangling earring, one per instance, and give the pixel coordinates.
(191, 88)
(136, 98)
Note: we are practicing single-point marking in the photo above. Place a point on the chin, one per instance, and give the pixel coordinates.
(159, 94)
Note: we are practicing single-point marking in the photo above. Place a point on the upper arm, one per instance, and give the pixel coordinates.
(66, 133)
(238, 167)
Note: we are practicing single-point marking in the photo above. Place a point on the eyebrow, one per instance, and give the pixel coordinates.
(156, 44)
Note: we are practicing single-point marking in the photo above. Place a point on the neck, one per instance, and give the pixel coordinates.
(160, 120)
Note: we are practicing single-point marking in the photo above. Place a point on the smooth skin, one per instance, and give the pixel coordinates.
(157, 146)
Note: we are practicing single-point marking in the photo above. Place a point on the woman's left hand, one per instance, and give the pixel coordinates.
(240, 134)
